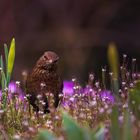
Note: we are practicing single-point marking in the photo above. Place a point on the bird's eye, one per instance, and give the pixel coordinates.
(45, 57)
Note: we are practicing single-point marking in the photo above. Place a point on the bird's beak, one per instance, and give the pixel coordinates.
(53, 61)
(50, 61)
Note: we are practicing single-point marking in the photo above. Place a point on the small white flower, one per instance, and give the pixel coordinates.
(18, 83)
(16, 137)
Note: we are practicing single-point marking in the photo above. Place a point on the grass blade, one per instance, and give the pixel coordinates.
(45, 135)
(3, 78)
(113, 59)
(1, 62)
(127, 135)
(134, 99)
(100, 134)
(73, 131)
(115, 129)
(6, 56)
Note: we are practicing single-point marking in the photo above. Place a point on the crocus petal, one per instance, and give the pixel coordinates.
(107, 96)
(68, 88)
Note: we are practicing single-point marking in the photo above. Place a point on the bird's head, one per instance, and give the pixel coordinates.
(48, 61)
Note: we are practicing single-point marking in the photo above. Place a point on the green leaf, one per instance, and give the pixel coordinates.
(6, 56)
(115, 129)
(73, 131)
(3, 81)
(1, 62)
(45, 135)
(100, 135)
(134, 99)
(127, 131)
(3, 78)
(113, 59)
(11, 58)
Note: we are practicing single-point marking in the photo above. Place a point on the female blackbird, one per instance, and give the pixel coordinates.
(44, 79)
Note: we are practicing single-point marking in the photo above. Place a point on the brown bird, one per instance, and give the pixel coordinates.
(43, 79)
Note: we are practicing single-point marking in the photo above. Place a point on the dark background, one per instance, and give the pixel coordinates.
(78, 30)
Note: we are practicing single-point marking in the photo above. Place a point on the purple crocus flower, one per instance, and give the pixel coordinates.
(68, 93)
(107, 96)
(89, 91)
(13, 89)
(68, 88)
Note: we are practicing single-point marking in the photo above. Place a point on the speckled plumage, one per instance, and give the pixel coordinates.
(44, 72)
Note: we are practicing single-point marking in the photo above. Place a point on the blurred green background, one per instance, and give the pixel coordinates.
(78, 30)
